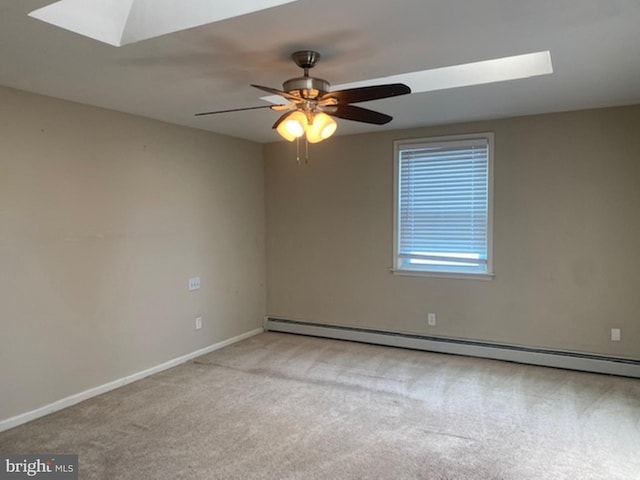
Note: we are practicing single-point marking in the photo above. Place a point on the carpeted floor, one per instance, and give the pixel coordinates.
(280, 406)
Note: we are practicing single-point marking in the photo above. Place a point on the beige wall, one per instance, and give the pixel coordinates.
(567, 237)
(103, 218)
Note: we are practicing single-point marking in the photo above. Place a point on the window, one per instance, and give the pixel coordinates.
(443, 206)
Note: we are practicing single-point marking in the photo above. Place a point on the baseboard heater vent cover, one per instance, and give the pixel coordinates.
(512, 353)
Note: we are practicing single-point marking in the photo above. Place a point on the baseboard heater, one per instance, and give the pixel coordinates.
(512, 353)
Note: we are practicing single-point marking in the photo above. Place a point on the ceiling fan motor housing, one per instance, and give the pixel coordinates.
(306, 87)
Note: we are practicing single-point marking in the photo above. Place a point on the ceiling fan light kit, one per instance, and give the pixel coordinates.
(297, 124)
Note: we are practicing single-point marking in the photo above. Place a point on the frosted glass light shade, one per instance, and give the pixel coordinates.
(322, 127)
(293, 126)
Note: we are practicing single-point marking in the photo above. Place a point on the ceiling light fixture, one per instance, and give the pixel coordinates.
(316, 126)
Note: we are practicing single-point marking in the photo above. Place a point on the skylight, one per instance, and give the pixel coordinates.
(120, 22)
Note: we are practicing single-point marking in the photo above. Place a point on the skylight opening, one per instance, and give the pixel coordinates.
(121, 22)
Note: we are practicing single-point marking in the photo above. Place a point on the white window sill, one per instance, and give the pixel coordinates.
(465, 276)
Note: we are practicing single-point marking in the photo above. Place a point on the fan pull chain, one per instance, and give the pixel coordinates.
(298, 151)
(306, 151)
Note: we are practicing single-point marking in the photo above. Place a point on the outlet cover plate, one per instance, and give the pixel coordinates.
(193, 284)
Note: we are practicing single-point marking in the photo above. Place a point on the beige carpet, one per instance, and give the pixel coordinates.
(280, 406)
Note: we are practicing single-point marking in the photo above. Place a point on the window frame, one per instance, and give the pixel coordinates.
(433, 272)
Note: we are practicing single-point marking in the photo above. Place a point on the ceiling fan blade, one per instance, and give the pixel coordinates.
(283, 106)
(358, 114)
(275, 91)
(365, 94)
(277, 107)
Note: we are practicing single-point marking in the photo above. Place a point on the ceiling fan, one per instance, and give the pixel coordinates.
(311, 105)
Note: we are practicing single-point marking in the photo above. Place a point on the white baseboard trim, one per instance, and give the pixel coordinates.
(93, 392)
(512, 353)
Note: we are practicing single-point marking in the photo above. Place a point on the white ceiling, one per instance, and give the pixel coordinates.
(594, 45)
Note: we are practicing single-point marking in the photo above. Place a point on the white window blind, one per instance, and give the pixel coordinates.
(443, 217)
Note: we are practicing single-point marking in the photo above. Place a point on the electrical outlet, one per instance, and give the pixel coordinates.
(198, 322)
(431, 319)
(194, 283)
(615, 334)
